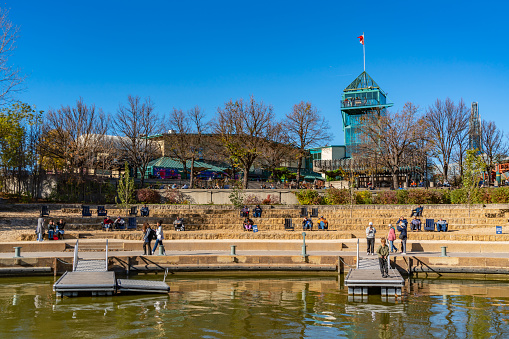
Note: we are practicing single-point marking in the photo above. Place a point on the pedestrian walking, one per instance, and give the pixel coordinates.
(402, 228)
(40, 229)
(391, 237)
(370, 237)
(383, 253)
(147, 238)
(160, 237)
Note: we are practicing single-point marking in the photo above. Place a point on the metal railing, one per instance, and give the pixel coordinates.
(106, 254)
(75, 260)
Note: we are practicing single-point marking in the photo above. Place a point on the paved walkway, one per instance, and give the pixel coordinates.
(100, 255)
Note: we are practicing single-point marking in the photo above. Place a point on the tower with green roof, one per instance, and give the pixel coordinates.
(363, 96)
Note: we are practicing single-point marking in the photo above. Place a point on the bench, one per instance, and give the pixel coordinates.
(314, 213)
(303, 211)
(289, 225)
(85, 211)
(101, 211)
(430, 225)
(44, 211)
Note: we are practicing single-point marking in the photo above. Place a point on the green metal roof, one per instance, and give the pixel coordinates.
(363, 81)
(167, 162)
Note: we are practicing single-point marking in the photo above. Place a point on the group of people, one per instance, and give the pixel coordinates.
(56, 230)
(383, 250)
(307, 223)
(150, 234)
(109, 224)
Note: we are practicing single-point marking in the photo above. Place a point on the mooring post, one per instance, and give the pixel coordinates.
(232, 250)
(17, 252)
(444, 251)
(161, 249)
(55, 267)
(304, 253)
(409, 266)
(357, 254)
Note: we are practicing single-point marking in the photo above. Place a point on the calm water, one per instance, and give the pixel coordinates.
(262, 307)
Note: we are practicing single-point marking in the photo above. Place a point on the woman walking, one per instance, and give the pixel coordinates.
(391, 237)
(402, 228)
(160, 237)
(40, 229)
(147, 238)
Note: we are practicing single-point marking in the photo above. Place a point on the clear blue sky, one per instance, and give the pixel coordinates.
(187, 53)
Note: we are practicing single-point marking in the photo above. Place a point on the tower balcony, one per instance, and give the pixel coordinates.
(360, 103)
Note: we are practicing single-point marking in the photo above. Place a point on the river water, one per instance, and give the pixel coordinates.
(259, 307)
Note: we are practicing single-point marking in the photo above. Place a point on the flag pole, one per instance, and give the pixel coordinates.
(364, 50)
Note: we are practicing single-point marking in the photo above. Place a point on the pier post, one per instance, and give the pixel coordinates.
(161, 249)
(444, 251)
(232, 249)
(357, 254)
(17, 252)
(304, 252)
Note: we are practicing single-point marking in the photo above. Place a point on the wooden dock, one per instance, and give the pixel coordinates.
(366, 279)
(92, 277)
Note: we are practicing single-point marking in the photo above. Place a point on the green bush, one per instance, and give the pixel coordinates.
(336, 196)
(309, 197)
(459, 196)
(363, 197)
(500, 195)
(402, 197)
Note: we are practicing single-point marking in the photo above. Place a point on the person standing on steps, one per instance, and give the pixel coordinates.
(40, 229)
(160, 237)
(370, 237)
(383, 253)
(402, 228)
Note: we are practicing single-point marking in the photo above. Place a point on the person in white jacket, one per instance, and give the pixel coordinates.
(370, 237)
(160, 236)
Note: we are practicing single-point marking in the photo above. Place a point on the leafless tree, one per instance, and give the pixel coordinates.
(71, 139)
(243, 129)
(446, 123)
(136, 122)
(11, 77)
(306, 129)
(390, 139)
(494, 146)
(187, 139)
(278, 150)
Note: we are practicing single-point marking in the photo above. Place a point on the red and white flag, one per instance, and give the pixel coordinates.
(361, 39)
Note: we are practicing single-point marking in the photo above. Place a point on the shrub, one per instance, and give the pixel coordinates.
(386, 197)
(309, 197)
(148, 196)
(402, 196)
(252, 199)
(271, 199)
(363, 197)
(459, 196)
(336, 196)
(174, 196)
(500, 195)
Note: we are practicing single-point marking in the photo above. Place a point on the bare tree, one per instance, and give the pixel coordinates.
(243, 128)
(278, 150)
(10, 77)
(390, 138)
(446, 122)
(135, 123)
(187, 139)
(74, 135)
(306, 129)
(494, 145)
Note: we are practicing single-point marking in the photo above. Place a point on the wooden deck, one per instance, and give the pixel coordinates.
(367, 279)
(92, 277)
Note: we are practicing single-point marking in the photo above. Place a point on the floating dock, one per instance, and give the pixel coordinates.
(92, 277)
(366, 279)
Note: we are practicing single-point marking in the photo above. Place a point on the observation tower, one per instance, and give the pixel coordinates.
(363, 96)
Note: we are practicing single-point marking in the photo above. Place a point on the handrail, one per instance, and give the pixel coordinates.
(106, 254)
(75, 260)
(357, 253)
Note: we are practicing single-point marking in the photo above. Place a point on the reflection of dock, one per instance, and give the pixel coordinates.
(92, 277)
(367, 279)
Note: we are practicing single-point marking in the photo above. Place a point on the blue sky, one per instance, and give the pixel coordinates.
(187, 53)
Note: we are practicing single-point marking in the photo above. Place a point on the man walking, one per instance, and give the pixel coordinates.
(370, 237)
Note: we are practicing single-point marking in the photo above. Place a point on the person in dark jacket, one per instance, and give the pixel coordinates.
(147, 238)
(402, 228)
(383, 253)
(257, 212)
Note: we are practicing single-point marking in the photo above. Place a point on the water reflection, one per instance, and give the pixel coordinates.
(247, 307)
